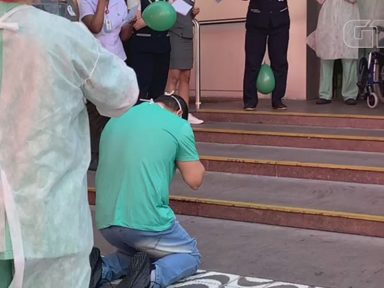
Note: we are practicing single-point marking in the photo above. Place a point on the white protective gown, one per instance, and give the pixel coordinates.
(328, 38)
(48, 67)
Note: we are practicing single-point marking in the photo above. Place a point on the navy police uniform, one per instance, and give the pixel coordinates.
(267, 22)
(148, 53)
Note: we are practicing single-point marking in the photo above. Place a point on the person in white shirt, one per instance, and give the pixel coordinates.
(107, 20)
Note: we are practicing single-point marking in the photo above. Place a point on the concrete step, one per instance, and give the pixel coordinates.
(293, 118)
(350, 139)
(319, 164)
(310, 204)
(294, 106)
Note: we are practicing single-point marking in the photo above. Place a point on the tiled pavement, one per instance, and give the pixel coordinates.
(207, 279)
(289, 257)
(211, 279)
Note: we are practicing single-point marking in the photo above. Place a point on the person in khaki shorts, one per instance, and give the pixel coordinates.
(181, 63)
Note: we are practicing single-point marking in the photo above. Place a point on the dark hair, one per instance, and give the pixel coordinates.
(175, 103)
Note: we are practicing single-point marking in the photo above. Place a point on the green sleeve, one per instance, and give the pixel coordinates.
(187, 151)
(6, 273)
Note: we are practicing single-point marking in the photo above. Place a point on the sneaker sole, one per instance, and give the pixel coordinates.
(195, 123)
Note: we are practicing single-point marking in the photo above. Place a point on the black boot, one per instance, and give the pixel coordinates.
(96, 265)
(139, 275)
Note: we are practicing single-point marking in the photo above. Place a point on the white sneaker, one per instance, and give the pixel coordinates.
(194, 120)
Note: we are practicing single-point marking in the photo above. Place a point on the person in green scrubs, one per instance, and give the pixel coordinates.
(331, 41)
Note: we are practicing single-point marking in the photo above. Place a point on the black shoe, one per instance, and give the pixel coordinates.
(279, 106)
(139, 275)
(350, 101)
(323, 101)
(96, 266)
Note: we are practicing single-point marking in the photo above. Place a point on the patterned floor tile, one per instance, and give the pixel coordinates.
(205, 279)
(209, 279)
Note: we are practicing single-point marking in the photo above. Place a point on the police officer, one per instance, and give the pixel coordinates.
(267, 22)
(148, 53)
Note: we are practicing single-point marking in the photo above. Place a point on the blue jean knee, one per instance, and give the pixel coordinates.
(181, 257)
(173, 251)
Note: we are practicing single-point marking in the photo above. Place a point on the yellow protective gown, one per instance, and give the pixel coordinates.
(48, 67)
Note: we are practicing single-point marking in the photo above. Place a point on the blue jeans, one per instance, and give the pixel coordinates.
(173, 252)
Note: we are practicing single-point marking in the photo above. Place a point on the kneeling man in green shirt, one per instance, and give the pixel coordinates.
(139, 154)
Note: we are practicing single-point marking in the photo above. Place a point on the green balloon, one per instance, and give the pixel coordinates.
(265, 80)
(159, 16)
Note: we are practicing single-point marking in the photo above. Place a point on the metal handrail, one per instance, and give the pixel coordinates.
(197, 51)
(196, 40)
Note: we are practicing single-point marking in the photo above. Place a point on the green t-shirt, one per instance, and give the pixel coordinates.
(137, 163)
